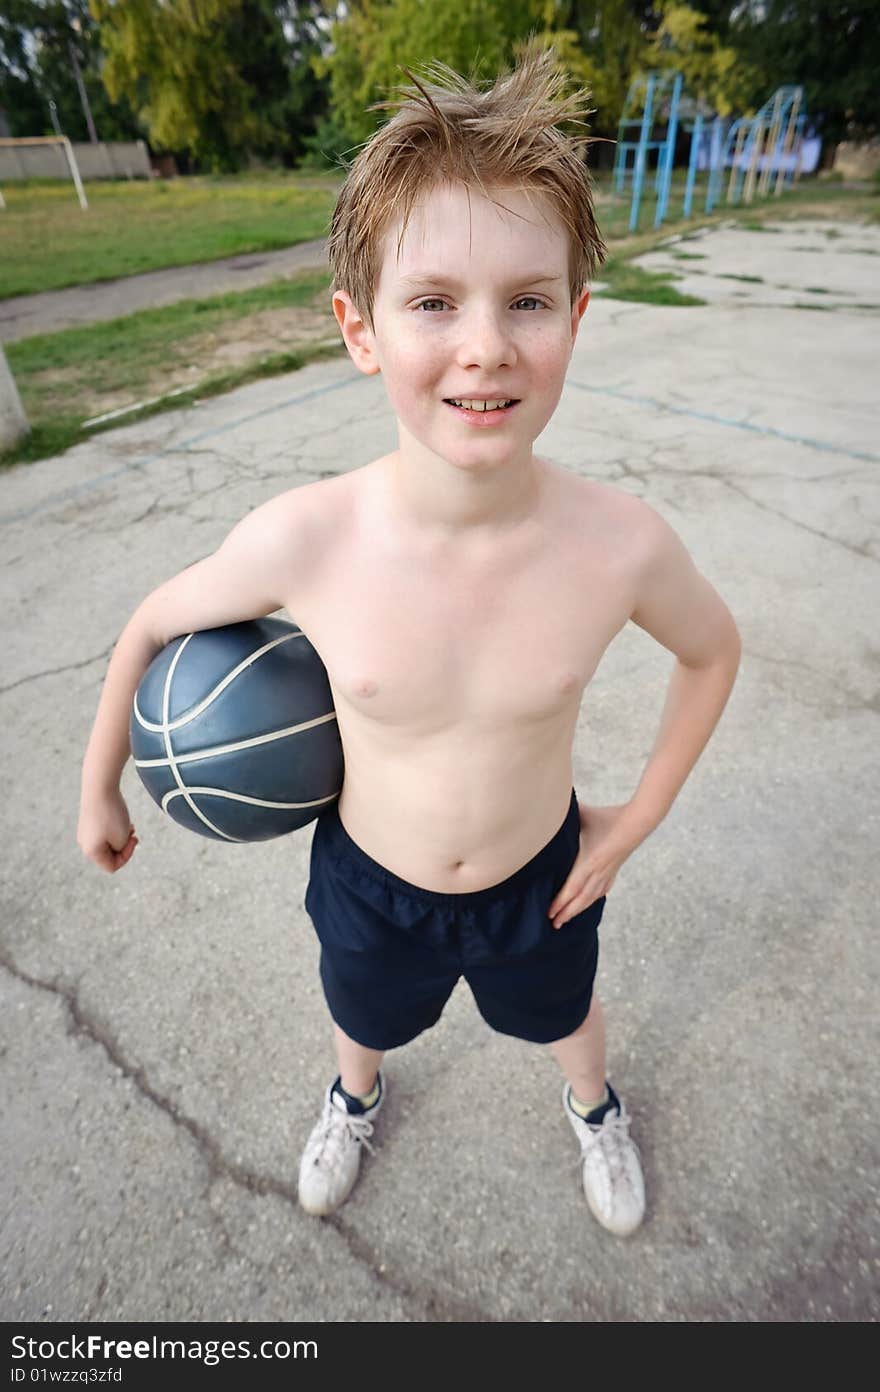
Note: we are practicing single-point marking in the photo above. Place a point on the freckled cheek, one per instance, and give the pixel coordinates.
(549, 362)
(410, 375)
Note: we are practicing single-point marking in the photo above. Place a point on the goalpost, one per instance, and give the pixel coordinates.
(62, 140)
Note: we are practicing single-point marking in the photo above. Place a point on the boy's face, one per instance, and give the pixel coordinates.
(476, 308)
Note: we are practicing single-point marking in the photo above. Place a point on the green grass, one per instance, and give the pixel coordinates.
(148, 354)
(62, 432)
(49, 242)
(689, 255)
(124, 350)
(623, 281)
(731, 275)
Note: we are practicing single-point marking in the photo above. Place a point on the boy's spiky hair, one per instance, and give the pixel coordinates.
(446, 130)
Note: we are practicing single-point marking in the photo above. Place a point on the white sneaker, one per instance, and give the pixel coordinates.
(612, 1172)
(332, 1157)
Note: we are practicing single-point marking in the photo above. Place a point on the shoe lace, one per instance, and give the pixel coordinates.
(339, 1130)
(613, 1138)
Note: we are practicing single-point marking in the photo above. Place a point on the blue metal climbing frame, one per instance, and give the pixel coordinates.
(755, 149)
(651, 109)
(764, 146)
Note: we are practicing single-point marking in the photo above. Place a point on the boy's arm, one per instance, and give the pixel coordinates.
(678, 607)
(256, 570)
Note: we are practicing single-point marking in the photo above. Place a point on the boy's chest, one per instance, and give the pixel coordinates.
(428, 645)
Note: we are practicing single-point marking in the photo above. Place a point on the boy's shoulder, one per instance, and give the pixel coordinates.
(606, 508)
(308, 506)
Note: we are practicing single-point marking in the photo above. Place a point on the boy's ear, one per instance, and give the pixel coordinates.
(358, 336)
(577, 311)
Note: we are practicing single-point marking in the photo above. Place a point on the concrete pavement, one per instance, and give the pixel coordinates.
(165, 1044)
(51, 310)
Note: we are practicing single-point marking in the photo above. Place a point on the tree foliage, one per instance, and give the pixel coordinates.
(605, 47)
(220, 78)
(36, 67)
(711, 70)
(377, 38)
(223, 79)
(831, 47)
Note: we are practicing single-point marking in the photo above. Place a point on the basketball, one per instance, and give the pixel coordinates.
(234, 732)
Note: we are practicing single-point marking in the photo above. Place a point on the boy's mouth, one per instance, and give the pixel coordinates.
(468, 404)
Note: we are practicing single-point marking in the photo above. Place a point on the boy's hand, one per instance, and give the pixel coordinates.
(608, 838)
(105, 833)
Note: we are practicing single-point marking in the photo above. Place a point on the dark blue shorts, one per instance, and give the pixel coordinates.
(391, 953)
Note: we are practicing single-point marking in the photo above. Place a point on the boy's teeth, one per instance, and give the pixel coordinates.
(481, 405)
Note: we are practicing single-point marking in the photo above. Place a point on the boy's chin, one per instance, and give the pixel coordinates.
(483, 450)
(475, 461)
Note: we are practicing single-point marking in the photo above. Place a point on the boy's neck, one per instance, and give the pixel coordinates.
(442, 502)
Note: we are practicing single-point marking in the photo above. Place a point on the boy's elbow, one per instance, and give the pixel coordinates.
(721, 646)
(155, 621)
(729, 644)
(734, 637)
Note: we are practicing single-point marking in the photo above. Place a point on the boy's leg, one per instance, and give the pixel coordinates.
(358, 1066)
(612, 1173)
(582, 1056)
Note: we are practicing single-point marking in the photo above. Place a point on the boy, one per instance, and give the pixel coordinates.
(461, 592)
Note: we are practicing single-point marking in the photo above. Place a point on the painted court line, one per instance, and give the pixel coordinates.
(825, 446)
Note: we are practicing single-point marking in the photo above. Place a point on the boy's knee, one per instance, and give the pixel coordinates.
(588, 1021)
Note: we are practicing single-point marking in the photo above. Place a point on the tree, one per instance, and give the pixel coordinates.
(830, 47)
(36, 67)
(711, 70)
(19, 97)
(220, 78)
(612, 36)
(376, 38)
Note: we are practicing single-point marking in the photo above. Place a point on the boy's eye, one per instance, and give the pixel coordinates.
(434, 303)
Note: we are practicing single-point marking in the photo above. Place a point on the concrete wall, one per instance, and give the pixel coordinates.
(13, 421)
(857, 161)
(107, 160)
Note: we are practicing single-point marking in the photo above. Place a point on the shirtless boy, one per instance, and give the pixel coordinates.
(461, 592)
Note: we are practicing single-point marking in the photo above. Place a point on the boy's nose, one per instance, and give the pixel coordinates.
(486, 343)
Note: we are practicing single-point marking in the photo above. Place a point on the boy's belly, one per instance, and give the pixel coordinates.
(457, 814)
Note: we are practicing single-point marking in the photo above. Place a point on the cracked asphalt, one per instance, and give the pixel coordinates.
(164, 1040)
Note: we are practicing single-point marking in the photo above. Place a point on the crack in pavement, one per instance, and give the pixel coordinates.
(442, 1309)
(795, 522)
(219, 1167)
(674, 447)
(209, 1148)
(54, 671)
(852, 700)
(725, 477)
